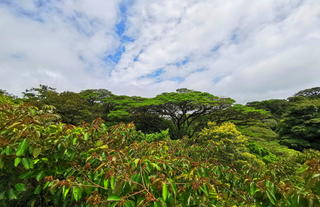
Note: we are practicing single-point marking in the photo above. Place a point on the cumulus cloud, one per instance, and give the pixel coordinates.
(60, 44)
(244, 49)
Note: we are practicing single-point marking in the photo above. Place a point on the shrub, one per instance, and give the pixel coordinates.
(262, 152)
(47, 163)
(157, 136)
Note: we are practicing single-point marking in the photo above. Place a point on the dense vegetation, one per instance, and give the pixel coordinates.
(184, 148)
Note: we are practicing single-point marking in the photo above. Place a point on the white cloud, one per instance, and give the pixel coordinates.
(53, 51)
(244, 49)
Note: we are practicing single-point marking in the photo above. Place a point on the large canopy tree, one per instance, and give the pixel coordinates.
(95, 96)
(183, 107)
(74, 108)
(240, 115)
(277, 107)
(309, 93)
(40, 96)
(300, 127)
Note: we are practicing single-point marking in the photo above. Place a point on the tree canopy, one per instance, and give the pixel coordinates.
(310, 93)
(184, 107)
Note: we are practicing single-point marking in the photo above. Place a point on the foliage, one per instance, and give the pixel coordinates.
(4, 99)
(74, 108)
(150, 123)
(277, 107)
(157, 136)
(95, 96)
(309, 93)
(258, 132)
(184, 107)
(262, 152)
(228, 142)
(121, 106)
(302, 123)
(47, 163)
(240, 115)
(225, 135)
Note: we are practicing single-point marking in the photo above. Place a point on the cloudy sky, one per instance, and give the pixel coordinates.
(244, 49)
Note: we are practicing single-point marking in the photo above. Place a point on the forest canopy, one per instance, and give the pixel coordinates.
(183, 148)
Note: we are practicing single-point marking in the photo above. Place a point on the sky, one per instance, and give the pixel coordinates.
(245, 49)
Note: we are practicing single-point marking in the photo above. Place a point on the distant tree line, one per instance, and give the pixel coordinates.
(185, 112)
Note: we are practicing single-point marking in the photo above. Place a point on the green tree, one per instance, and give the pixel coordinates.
(94, 96)
(4, 92)
(309, 93)
(95, 99)
(184, 107)
(276, 106)
(300, 127)
(121, 107)
(40, 96)
(240, 115)
(71, 106)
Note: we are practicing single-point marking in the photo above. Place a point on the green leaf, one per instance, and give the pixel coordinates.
(22, 147)
(86, 136)
(106, 183)
(28, 174)
(17, 161)
(113, 198)
(213, 193)
(12, 194)
(1, 163)
(36, 152)
(65, 191)
(39, 176)
(156, 166)
(2, 196)
(162, 202)
(302, 169)
(136, 161)
(113, 182)
(74, 141)
(271, 197)
(129, 203)
(270, 192)
(173, 186)
(164, 191)
(204, 189)
(7, 150)
(27, 163)
(77, 193)
(13, 125)
(253, 189)
(156, 204)
(20, 187)
(37, 190)
(33, 203)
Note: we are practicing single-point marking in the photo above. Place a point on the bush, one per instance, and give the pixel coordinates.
(47, 163)
(258, 132)
(262, 152)
(297, 144)
(301, 124)
(158, 136)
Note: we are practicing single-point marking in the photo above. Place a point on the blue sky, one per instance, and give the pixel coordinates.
(246, 49)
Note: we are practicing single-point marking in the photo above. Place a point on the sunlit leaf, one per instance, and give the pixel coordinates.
(164, 191)
(17, 161)
(113, 198)
(22, 147)
(77, 193)
(36, 152)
